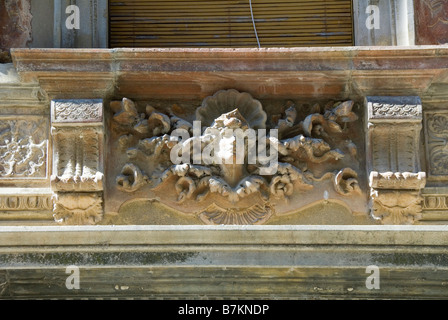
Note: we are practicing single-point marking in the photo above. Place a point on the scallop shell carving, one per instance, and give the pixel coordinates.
(225, 101)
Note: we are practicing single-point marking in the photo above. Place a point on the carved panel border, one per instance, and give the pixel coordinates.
(436, 136)
(435, 204)
(26, 202)
(316, 152)
(76, 111)
(23, 147)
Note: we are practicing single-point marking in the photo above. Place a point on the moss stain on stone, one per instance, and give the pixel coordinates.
(414, 259)
(96, 259)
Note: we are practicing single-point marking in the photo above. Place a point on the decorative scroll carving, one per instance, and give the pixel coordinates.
(436, 128)
(158, 155)
(435, 204)
(346, 182)
(25, 203)
(77, 131)
(394, 169)
(78, 208)
(23, 148)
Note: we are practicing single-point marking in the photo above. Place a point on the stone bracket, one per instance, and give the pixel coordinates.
(393, 141)
(77, 177)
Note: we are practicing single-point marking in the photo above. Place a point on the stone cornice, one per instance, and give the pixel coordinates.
(223, 235)
(196, 73)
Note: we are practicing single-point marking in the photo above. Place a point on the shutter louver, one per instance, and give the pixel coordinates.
(228, 23)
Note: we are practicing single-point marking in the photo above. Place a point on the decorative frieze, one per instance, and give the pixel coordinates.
(435, 202)
(26, 202)
(77, 131)
(393, 142)
(77, 111)
(394, 111)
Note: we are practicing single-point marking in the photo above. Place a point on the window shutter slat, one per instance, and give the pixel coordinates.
(220, 23)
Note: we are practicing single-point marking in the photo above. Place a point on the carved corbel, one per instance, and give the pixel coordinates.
(393, 141)
(77, 177)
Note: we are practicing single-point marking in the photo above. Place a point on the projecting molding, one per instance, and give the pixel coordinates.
(393, 147)
(77, 178)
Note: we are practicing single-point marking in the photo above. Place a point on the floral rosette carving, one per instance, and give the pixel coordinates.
(23, 148)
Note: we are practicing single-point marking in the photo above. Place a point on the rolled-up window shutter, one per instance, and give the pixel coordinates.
(228, 23)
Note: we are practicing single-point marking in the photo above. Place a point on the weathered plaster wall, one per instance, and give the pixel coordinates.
(384, 23)
(431, 20)
(15, 26)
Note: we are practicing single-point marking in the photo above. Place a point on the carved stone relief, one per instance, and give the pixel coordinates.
(76, 159)
(77, 111)
(436, 134)
(25, 202)
(393, 141)
(190, 161)
(77, 178)
(23, 147)
(397, 207)
(435, 202)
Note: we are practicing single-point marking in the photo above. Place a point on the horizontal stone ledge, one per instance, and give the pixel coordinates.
(11, 236)
(216, 59)
(223, 283)
(285, 73)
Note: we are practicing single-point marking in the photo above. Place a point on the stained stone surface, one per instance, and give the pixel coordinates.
(15, 26)
(431, 22)
(316, 158)
(346, 124)
(361, 140)
(224, 262)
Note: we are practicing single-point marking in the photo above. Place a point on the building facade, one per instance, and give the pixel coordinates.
(120, 153)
